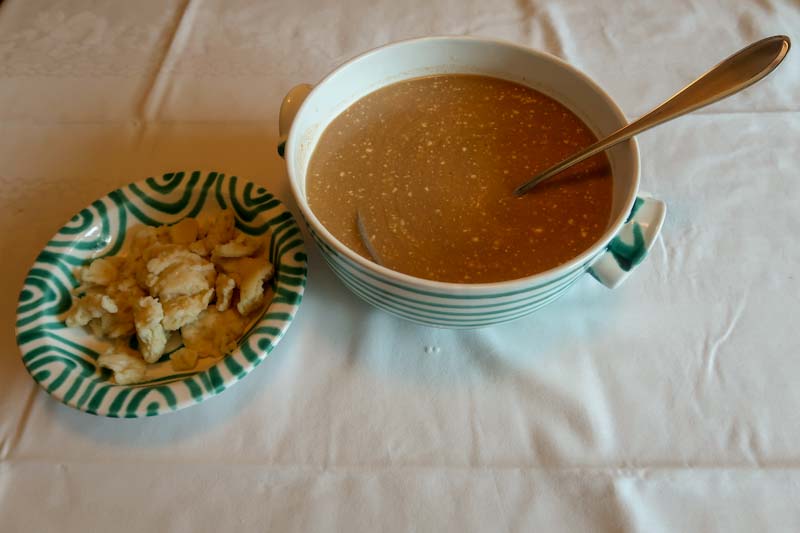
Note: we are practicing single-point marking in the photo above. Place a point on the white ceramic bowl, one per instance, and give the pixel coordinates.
(635, 221)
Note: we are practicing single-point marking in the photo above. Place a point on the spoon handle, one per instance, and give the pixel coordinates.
(739, 71)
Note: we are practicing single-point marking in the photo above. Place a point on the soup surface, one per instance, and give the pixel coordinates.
(430, 165)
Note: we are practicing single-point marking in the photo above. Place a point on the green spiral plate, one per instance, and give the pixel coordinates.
(63, 360)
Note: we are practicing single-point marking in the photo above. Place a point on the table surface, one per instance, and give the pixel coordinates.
(669, 404)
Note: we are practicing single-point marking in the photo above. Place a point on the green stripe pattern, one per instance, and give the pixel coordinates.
(455, 309)
(63, 360)
(465, 306)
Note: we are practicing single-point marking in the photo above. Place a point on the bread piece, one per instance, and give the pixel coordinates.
(127, 368)
(147, 316)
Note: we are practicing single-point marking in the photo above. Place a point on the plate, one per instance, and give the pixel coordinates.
(62, 360)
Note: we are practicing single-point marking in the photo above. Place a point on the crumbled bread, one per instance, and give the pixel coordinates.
(241, 246)
(183, 310)
(166, 282)
(224, 290)
(184, 232)
(250, 273)
(183, 359)
(99, 272)
(214, 333)
(147, 316)
(176, 271)
(218, 230)
(127, 368)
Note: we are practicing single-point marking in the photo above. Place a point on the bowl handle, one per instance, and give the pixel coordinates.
(630, 246)
(289, 107)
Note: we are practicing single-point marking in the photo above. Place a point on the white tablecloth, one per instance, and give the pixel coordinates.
(669, 404)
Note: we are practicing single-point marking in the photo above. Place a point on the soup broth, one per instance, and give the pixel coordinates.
(430, 165)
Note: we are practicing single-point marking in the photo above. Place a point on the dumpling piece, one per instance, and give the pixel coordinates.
(184, 232)
(183, 282)
(214, 334)
(102, 271)
(147, 316)
(224, 290)
(127, 368)
(183, 359)
(250, 273)
(241, 246)
(183, 310)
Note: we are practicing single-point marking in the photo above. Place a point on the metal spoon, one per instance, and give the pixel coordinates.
(739, 71)
(365, 240)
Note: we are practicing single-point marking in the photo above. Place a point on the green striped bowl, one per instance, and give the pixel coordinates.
(463, 306)
(635, 220)
(62, 360)
(452, 308)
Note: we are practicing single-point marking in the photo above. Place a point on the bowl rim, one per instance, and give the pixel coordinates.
(233, 366)
(444, 287)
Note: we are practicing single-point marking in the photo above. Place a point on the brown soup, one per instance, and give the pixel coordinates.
(431, 164)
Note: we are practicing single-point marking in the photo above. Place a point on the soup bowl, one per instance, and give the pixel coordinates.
(632, 228)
